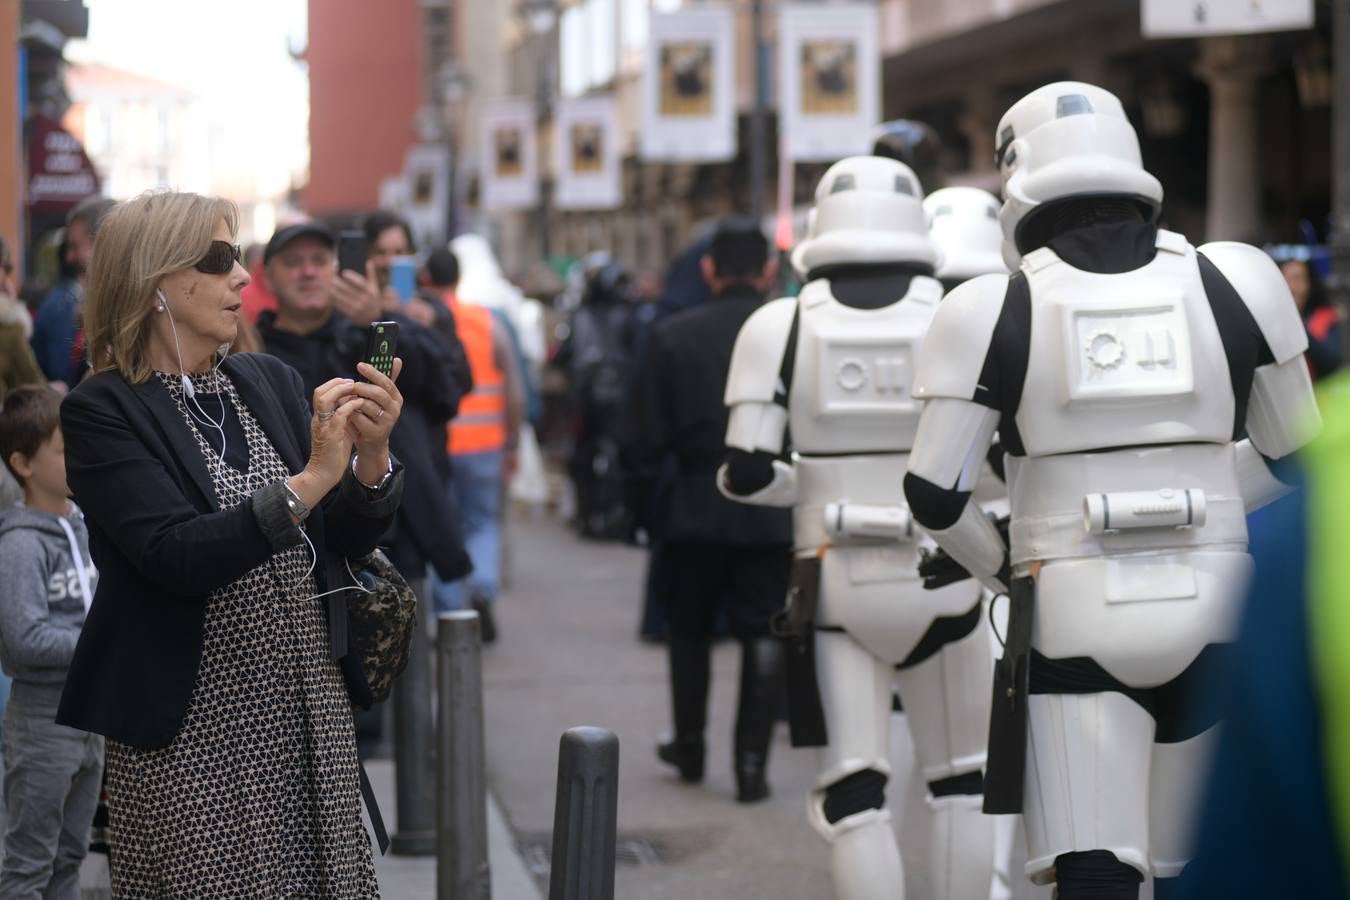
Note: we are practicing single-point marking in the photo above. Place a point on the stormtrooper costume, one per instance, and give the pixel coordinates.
(963, 225)
(834, 367)
(1121, 368)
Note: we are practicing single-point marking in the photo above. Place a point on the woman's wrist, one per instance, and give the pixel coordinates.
(371, 466)
(308, 487)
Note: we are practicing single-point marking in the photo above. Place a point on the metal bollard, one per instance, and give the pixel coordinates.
(462, 869)
(585, 816)
(416, 831)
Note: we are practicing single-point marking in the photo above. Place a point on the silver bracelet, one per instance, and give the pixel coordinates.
(295, 506)
(373, 488)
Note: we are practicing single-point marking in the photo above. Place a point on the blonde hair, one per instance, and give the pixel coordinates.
(139, 242)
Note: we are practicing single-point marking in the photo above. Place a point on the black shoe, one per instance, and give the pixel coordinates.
(685, 754)
(487, 625)
(751, 784)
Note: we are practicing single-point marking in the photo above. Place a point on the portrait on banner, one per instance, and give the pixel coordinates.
(508, 161)
(588, 147)
(829, 73)
(686, 78)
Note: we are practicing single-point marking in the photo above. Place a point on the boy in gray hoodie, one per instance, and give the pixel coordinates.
(52, 773)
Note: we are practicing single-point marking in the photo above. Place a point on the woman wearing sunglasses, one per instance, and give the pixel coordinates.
(212, 657)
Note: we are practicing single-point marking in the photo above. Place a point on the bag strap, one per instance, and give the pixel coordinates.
(337, 605)
(373, 808)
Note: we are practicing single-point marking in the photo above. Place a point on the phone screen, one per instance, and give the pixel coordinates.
(403, 277)
(351, 250)
(382, 346)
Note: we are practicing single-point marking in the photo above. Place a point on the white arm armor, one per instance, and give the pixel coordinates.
(756, 422)
(958, 339)
(758, 354)
(1282, 411)
(1257, 483)
(782, 491)
(949, 451)
(975, 543)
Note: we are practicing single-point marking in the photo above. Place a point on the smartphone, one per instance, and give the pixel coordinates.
(403, 277)
(351, 252)
(382, 345)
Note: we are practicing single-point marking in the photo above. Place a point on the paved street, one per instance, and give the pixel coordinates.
(568, 656)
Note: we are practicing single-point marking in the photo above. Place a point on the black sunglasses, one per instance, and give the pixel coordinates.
(219, 259)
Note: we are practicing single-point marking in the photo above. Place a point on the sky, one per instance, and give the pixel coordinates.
(235, 56)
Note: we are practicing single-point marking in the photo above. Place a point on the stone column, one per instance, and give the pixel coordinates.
(1233, 68)
(978, 122)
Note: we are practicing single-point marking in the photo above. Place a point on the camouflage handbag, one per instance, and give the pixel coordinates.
(381, 621)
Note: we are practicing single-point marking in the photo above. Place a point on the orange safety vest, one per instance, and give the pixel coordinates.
(480, 426)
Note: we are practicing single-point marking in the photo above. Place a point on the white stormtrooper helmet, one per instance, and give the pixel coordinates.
(868, 210)
(1063, 140)
(963, 223)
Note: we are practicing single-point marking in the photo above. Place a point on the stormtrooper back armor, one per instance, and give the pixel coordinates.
(863, 365)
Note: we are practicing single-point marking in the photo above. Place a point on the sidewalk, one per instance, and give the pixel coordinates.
(414, 877)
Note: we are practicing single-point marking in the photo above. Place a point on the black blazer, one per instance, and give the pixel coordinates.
(162, 544)
(677, 411)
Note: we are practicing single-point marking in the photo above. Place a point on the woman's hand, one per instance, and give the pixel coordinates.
(370, 424)
(330, 450)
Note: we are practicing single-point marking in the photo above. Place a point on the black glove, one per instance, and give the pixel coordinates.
(938, 569)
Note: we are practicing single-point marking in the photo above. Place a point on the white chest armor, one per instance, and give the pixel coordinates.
(1123, 360)
(855, 369)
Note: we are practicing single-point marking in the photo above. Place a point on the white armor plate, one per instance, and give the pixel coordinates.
(1129, 354)
(851, 389)
(1113, 358)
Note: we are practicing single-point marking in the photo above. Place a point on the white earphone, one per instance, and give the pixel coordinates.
(203, 419)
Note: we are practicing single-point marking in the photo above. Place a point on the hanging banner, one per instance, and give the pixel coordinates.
(508, 155)
(829, 79)
(1198, 18)
(586, 166)
(60, 173)
(689, 87)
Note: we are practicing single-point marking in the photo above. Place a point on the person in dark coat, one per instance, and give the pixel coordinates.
(684, 289)
(319, 328)
(718, 552)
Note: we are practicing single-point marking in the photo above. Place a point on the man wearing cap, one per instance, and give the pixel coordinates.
(319, 327)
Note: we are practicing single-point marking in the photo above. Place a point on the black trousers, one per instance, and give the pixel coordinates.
(749, 583)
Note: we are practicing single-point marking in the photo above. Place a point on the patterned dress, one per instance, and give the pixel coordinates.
(258, 794)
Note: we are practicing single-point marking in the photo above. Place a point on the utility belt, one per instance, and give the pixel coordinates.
(1155, 499)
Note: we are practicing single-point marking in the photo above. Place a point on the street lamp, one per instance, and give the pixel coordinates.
(540, 17)
(454, 83)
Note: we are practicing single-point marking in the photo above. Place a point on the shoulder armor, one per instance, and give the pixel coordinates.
(924, 290)
(758, 353)
(958, 339)
(1261, 286)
